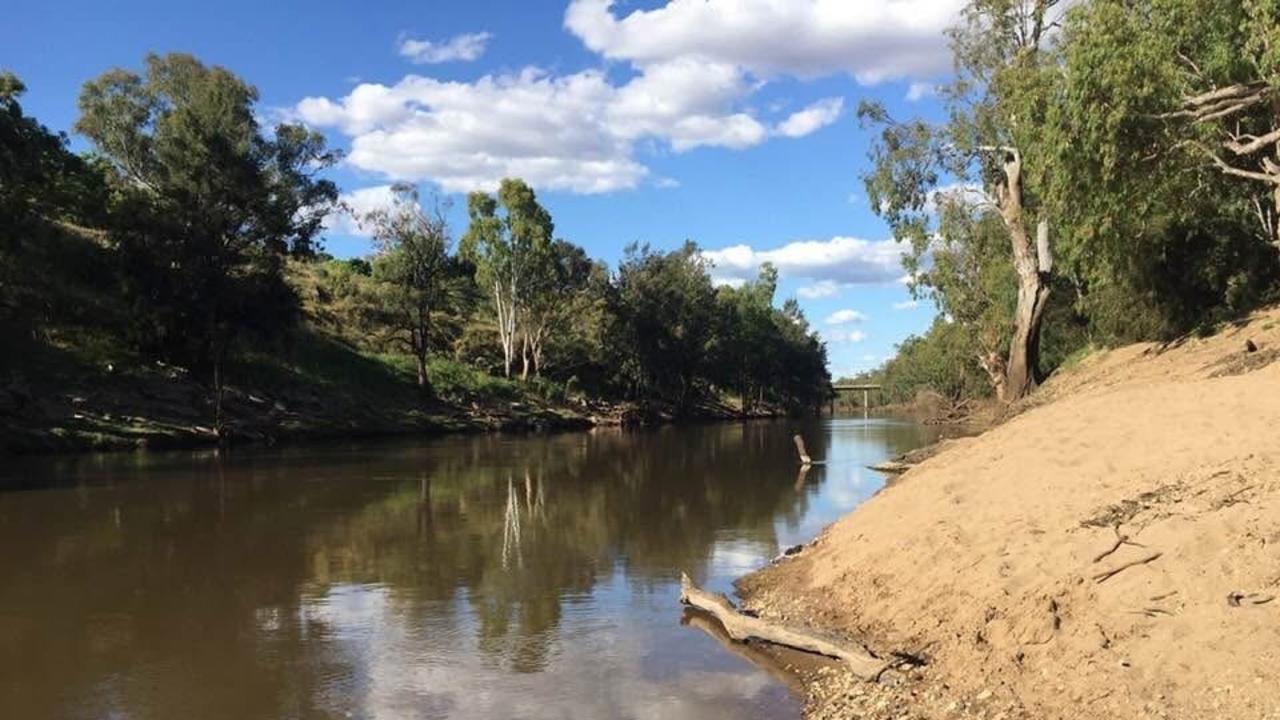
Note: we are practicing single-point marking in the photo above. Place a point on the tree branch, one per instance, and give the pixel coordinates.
(1254, 145)
(1230, 169)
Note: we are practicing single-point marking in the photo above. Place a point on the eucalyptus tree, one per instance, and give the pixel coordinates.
(208, 205)
(1226, 70)
(511, 252)
(990, 148)
(665, 311)
(556, 291)
(1170, 225)
(413, 269)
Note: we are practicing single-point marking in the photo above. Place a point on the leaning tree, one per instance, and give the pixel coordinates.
(940, 185)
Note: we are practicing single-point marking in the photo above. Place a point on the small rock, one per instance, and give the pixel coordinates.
(1250, 347)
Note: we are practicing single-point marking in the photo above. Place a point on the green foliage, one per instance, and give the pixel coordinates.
(675, 337)
(512, 253)
(1160, 240)
(663, 306)
(206, 206)
(413, 275)
(43, 189)
(934, 361)
(1153, 233)
(460, 381)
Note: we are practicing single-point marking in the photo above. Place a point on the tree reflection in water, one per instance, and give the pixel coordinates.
(452, 578)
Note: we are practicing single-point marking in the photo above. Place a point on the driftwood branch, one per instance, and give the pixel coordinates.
(742, 627)
(770, 663)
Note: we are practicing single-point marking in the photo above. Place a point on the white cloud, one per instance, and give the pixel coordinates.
(906, 305)
(812, 118)
(551, 131)
(920, 90)
(845, 317)
(873, 41)
(354, 205)
(572, 132)
(830, 263)
(465, 47)
(694, 66)
(820, 289)
(961, 192)
(843, 337)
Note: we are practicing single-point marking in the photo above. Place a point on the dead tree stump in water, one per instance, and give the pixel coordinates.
(744, 627)
(804, 456)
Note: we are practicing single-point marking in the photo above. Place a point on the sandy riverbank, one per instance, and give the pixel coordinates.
(1113, 551)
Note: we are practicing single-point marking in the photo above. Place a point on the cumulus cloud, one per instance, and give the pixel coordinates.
(830, 264)
(843, 337)
(465, 47)
(820, 289)
(573, 132)
(552, 131)
(872, 41)
(812, 118)
(355, 205)
(845, 317)
(920, 90)
(694, 65)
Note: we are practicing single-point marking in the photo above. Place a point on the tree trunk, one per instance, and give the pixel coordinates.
(420, 348)
(524, 357)
(217, 396)
(421, 357)
(1275, 211)
(536, 348)
(1021, 376)
(506, 329)
(1033, 265)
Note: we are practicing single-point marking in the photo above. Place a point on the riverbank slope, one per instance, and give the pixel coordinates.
(1111, 551)
(79, 392)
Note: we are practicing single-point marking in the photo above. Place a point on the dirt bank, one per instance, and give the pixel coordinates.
(1113, 551)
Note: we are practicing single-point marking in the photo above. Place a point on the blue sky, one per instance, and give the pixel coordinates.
(727, 122)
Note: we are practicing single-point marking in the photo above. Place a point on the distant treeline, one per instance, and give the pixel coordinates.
(1108, 171)
(191, 236)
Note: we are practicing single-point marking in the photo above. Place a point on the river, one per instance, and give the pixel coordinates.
(460, 577)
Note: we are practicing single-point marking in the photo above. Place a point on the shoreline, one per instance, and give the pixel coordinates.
(87, 431)
(1106, 552)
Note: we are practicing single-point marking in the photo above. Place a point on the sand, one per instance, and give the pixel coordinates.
(991, 561)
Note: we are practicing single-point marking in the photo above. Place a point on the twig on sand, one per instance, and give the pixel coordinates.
(1120, 540)
(1108, 574)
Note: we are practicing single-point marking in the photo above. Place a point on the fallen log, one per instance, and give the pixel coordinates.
(771, 664)
(891, 467)
(742, 628)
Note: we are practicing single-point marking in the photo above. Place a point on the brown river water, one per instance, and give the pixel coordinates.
(463, 577)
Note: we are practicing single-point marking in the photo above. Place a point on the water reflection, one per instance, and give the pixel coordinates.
(465, 577)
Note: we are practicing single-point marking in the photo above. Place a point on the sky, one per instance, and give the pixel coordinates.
(727, 122)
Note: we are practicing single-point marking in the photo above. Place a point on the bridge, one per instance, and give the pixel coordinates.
(838, 388)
